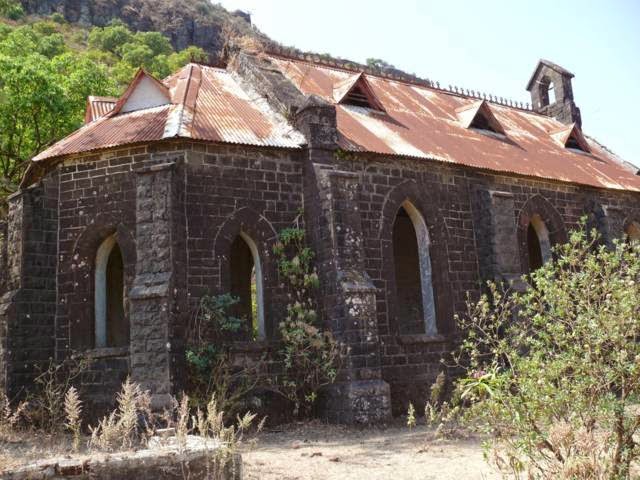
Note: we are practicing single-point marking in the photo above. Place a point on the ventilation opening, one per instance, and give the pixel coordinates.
(414, 291)
(358, 98)
(574, 144)
(481, 122)
(246, 285)
(111, 324)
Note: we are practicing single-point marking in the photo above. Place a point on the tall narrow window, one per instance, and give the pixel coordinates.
(246, 285)
(414, 289)
(538, 244)
(111, 324)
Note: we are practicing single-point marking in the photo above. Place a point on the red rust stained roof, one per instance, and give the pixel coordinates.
(98, 107)
(422, 122)
(205, 103)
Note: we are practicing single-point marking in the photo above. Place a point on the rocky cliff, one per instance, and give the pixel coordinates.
(184, 22)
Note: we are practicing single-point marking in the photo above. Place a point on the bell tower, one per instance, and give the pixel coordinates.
(552, 94)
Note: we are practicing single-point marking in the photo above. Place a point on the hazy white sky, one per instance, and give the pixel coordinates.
(491, 46)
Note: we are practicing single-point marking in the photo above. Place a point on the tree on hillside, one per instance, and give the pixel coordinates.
(44, 82)
(554, 372)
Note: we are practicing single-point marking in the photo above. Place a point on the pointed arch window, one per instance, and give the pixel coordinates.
(246, 285)
(111, 327)
(412, 262)
(538, 243)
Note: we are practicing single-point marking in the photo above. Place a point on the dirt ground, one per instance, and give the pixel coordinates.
(315, 451)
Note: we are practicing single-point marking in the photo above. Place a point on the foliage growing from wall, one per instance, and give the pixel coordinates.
(209, 368)
(557, 384)
(310, 355)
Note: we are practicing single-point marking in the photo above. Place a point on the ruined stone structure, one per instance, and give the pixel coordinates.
(413, 195)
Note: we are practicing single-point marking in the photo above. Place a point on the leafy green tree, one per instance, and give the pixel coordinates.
(11, 9)
(47, 72)
(554, 372)
(111, 37)
(378, 63)
(155, 41)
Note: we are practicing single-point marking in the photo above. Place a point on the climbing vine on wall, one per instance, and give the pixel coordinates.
(310, 355)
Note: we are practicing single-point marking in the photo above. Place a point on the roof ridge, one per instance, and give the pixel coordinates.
(355, 67)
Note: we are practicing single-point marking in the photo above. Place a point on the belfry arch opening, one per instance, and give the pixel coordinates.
(414, 288)
(538, 243)
(111, 323)
(547, 92)
(246, 286)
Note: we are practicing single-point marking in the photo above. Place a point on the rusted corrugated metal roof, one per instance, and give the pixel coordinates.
(98, 107)
(422, 122)
(203, 103)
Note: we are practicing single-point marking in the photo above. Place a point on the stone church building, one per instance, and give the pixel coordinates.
(412, 195)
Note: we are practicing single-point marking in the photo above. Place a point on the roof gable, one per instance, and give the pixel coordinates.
(478, 115)
(571, 137)
(145, 91)
(356, 90)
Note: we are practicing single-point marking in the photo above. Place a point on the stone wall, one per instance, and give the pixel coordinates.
(176, 208)
(475, 223)
(27, 305)
(164, 459)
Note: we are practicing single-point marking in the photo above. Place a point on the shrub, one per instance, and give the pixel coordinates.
(209, 368)
(309, 354)
(58, 18)
(554, 372)
(47, 400)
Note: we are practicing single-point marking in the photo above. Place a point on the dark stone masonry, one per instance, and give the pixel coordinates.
(399, 244)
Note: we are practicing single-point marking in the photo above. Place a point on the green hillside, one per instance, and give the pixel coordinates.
(48, 67)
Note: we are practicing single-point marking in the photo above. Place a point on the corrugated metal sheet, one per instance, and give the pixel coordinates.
(207, 104)
(141, 126)
(98, 107)
(422, 122)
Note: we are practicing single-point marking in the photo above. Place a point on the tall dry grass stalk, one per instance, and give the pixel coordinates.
(9, 417)
(73, 412)
(119, 429)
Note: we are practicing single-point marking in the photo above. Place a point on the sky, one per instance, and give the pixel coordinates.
(491, 46)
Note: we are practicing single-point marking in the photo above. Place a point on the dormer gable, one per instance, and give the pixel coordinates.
(571, 138)
(145, 91)
(478, 116)
(356, 91)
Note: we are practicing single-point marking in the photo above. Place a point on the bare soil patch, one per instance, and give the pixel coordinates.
(314, 451)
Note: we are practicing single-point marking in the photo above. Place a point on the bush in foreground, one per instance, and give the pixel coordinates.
(554, 372)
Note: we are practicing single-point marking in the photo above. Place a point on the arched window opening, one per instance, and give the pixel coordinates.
(414, 288)
(538, 244)
(633, 232)
(547, 92)
(111, 323)
(551, 93)
(246, 285)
